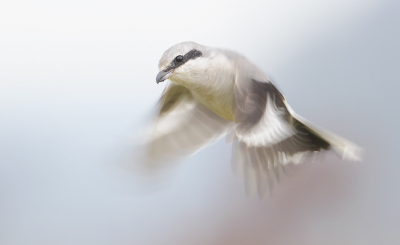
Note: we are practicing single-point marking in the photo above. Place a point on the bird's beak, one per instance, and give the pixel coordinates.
(163, 75)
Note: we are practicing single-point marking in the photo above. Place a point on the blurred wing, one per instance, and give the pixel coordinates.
(183, 125)
(267, 136)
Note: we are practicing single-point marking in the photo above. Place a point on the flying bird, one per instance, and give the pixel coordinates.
(214, 93)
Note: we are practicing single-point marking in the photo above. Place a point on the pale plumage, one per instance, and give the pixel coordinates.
(216, 92)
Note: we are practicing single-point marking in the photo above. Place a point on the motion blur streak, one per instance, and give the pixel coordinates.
(77, 79)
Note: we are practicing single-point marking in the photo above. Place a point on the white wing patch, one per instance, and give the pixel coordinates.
(271, 129)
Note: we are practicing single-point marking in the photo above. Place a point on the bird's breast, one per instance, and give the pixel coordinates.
(211, 82)
(220, 100)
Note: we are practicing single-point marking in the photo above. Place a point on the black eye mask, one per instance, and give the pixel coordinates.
(180, 60)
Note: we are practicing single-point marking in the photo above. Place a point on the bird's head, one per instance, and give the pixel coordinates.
(183, 63)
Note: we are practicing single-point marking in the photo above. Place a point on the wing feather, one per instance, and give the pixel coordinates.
(183, 125)
(268, 134)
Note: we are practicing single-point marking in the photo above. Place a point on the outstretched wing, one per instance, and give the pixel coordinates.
(183, 125)
(267, 136)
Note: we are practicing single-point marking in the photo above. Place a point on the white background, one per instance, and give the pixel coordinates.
(77, 81)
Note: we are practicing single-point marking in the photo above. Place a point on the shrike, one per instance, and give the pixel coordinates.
(216, 92)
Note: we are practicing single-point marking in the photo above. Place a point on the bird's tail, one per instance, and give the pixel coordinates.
(345, 148)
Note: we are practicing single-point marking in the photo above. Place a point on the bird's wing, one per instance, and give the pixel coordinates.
(183, 125)
(267, 136)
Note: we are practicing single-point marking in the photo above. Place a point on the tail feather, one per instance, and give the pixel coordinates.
(345, 148)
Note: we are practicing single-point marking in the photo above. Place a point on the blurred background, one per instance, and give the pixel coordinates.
(77, 82)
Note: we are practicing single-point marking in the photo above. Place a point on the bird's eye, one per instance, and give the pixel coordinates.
(179, 58)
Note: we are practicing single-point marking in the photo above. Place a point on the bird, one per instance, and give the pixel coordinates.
(212, 93)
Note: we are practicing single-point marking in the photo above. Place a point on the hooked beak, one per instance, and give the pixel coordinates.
(163, 75)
